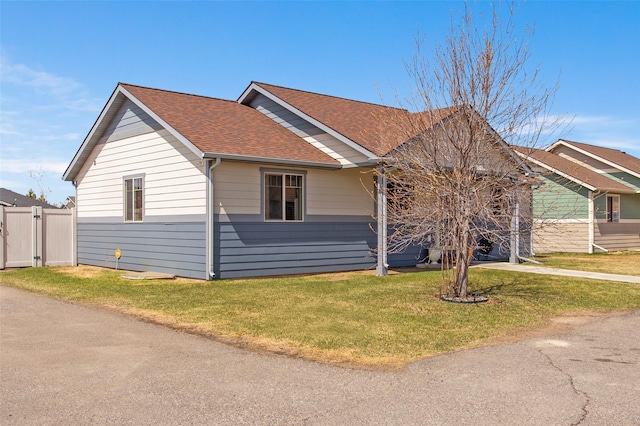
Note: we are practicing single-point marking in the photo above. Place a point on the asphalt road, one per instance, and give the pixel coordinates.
(62, 363)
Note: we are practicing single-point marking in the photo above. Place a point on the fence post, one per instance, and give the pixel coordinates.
(3, 241)
(37, 240)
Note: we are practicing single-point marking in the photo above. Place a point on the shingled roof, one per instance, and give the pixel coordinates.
(573, 171)
(613, 156)
(361, 122)
(219, 126)
(11, 198)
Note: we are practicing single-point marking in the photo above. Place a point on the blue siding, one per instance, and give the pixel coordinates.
(242, 249)
(174, 248)
(247, 249)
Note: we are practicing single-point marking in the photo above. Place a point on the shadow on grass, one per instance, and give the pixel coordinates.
(515, 287)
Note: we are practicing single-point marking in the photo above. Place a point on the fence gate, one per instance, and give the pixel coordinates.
(33, 236)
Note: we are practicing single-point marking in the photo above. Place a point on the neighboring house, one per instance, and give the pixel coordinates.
(277, 182)
(588, 200)
(13, 199)
(70, 202)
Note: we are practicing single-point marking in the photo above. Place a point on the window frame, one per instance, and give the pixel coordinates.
(264, 173)
(613, 215)
(125, 205)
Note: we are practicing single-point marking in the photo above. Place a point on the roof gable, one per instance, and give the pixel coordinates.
(615, 158)
(208, 126)
(573, 171)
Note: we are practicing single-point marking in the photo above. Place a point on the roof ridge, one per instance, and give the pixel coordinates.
(175, 92)
(328, 96)
(597, 146)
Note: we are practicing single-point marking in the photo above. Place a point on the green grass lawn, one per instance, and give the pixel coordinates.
(626, 262)
(354, 319)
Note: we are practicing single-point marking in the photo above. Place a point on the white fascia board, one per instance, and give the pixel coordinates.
(553, 170)
(88, 142)
(595, 157)
(270, 160)
(163, 123)
(310, 119)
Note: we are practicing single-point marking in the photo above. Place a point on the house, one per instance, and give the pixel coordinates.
(9, 198)
(588, 199)
(277, 182)
(69, 203)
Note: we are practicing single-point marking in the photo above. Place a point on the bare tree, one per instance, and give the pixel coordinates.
(39, 175)
(453, 183)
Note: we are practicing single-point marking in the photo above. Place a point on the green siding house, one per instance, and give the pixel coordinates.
(587, 198)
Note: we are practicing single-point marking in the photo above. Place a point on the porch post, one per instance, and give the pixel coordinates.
(515, 234)
(592, 238)
(382, 267)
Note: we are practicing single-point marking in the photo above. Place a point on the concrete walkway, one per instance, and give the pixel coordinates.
(539, 269)
(62, 363)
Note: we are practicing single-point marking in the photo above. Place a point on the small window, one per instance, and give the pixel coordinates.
(133, 199)
(613, 208)
(283, 196)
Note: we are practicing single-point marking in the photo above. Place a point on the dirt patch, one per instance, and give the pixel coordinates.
(82, 271)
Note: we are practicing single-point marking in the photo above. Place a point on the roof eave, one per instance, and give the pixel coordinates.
(74, 167)
(616, 190)
(271, 160)
(554, 170)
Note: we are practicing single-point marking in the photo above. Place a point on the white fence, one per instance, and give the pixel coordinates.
(33, 236)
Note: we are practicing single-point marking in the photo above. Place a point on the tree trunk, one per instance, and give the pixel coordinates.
(463, 242)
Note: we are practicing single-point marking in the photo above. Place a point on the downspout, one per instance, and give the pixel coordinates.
(515, 235)
(210, 221)
(592, 239)
(74, 238)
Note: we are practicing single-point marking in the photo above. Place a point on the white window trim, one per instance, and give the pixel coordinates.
(124, 198)
(614, 218)
(282, 172)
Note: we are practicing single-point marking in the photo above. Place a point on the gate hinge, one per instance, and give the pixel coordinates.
(37, 257)
(37, 216)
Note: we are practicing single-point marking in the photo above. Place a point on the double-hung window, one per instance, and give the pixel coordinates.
(133, 199)
(283, 196)
(613, 208)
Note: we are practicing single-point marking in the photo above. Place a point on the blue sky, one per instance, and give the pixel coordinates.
(60, 62)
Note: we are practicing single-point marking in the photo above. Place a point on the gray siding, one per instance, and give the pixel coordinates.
(284, 117)
(248, 249)
(175, 248)
(618, 236)
(129, 121)
(242, 249)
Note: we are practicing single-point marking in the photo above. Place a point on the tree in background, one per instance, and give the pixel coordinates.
(39, 176)
(453, 183)
(41, 197)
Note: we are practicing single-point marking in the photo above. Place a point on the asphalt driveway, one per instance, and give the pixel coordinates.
(62, 363)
